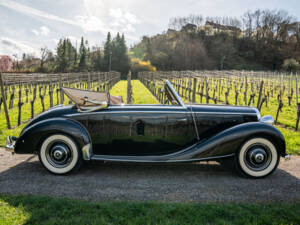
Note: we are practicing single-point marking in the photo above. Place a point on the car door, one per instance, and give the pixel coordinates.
(141, 130)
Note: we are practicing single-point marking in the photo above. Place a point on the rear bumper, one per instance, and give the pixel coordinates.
(10, 144)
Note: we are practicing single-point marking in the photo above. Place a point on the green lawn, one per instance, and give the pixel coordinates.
(120, 89)
(47, 210)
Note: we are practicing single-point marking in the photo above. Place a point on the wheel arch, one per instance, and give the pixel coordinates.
(278, 142)
(32, 138)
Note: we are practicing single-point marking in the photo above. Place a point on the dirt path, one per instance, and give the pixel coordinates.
(23, 174)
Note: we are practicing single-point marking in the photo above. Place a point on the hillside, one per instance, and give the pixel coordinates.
(215, 43)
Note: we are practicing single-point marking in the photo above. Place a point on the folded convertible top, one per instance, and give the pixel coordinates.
(84, 98)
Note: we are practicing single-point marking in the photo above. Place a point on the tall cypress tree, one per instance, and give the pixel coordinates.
(124, 59)
(82, 52)
(61, 51)
(107, 52)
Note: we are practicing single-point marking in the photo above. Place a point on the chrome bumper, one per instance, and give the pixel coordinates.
(287, 157)
(10, 144)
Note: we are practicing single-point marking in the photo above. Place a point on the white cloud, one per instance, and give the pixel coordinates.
(116, 13)
(35, 12)
(11, 47)
(42, 31)
(91, 23)
(123, 21)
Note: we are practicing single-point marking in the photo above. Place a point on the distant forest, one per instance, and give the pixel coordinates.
(259, 40)
(67, 58)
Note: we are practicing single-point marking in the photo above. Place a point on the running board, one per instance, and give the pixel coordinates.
(150, 159)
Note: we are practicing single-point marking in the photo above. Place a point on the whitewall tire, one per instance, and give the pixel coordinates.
(257, 158)
(59, 154)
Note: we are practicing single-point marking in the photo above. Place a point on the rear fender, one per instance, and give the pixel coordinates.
(32, 137)
(227, 142)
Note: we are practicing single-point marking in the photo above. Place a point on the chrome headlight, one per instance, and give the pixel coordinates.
(267, 119)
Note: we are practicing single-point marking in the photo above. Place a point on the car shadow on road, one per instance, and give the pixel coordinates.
(205, 181)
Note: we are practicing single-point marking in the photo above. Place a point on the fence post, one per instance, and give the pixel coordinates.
(89, 80)
(260, 92)
(129, 91)
(206, 91)
(60, 88)
(298, 103)
(194, 89)
(4, 102)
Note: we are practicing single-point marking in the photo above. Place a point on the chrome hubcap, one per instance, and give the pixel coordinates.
(59, 155)
(258, 157)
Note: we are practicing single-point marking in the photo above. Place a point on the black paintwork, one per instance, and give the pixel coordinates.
(152, 132)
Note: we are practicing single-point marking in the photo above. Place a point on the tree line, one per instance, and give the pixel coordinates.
(259, 40)
(67, 58)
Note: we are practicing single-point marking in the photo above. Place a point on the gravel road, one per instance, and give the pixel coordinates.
(201, 182)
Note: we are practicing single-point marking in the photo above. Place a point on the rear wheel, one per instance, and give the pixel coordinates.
(59, 154)
(257, 158)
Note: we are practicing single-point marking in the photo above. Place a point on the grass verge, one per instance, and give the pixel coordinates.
(47, 210)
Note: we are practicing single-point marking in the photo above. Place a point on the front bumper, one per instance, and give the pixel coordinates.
(10, 144)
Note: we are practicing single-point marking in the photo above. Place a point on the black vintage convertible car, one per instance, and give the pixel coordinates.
(100, 127)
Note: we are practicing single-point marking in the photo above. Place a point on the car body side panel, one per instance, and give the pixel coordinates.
(139, 132)
(223, 144)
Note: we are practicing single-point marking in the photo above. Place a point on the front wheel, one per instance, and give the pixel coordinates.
(59, 154)
(257, 158)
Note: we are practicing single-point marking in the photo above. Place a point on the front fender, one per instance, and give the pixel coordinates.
(32, 137)
(229, 141)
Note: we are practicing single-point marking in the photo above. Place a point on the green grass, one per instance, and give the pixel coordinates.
(292, 139)
(47, 210)
(141, 95)
(120, 89)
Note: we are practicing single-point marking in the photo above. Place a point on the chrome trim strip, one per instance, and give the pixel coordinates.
(130, 159)
(195, 124)
(226, 113)
(86, 152)
(142, 106)
(212, 113)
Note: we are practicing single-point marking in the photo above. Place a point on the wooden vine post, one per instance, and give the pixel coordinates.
(298, 104)
(20, 106)
(206, 91)
(60, 88)
(129, 91)
(246, 87)
(194, 89)
(4, 102)
(260, 93)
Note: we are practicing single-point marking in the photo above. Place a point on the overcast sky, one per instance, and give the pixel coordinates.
(28, 25)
